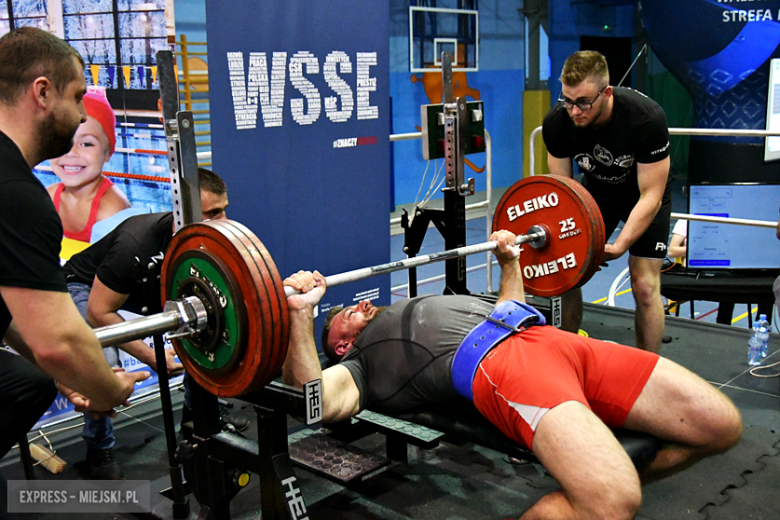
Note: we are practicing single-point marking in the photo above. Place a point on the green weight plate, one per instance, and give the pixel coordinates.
(226, 318)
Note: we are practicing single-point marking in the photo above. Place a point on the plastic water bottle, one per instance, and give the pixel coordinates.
(754, 347)
(763, 322)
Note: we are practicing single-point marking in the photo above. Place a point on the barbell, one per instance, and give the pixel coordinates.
(225, 307)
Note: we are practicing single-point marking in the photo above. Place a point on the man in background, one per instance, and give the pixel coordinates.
(620, 140)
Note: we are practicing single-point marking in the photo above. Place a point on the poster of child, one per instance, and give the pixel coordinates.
(84, 195)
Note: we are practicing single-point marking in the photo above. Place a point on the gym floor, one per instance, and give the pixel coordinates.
(460, 481)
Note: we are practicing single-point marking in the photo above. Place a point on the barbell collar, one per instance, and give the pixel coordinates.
(538, 236)
(188, 314)
(194, 313)
(542, 236)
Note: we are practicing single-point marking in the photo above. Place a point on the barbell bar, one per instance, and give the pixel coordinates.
(179, 318)
(225, 307)
(536, 237)
(726, 220)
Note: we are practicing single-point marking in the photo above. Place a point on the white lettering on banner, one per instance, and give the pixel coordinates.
(258, 87)
(345, 143)
(305, 87)
(543, 201)
(749, 15)
(339, 86)
(551, 267)
(370, 294)
(365, 85)
(244, 101)
(275, 102)
(271, 99)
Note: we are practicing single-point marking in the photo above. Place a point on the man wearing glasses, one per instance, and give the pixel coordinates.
(619, 139)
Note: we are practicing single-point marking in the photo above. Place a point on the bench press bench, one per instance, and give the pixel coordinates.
(461, 419)
(325, 454)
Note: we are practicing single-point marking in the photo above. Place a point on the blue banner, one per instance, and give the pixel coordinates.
(720, 52)
(300, 118)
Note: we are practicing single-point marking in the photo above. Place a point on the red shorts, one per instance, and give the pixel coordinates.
(532, 372)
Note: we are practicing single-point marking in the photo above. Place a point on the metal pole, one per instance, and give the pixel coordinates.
(139, 328)
(405, 137)
(488, 206)
(454, 192)
(723, 132)
(368, 272)
(726, 220)
(182, 149)
(181, 504)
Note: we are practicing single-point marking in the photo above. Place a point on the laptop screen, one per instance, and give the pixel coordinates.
(729, 246)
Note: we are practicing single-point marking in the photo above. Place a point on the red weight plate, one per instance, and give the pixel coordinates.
(576, 244)
(272, 305)
(593, 209)
(591, 205)
(265, 332)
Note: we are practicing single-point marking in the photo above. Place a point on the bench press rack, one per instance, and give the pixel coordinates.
(216, 463)
(460, 419)
(449, 131)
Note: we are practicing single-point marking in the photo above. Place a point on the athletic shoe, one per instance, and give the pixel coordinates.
(103, 466)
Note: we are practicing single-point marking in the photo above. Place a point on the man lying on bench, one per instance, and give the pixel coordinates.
(551, 391)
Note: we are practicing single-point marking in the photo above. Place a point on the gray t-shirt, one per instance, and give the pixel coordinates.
(402, 359)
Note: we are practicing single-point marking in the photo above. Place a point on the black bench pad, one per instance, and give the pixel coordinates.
(461, 419)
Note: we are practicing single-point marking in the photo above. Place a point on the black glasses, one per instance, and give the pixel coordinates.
(582, 105)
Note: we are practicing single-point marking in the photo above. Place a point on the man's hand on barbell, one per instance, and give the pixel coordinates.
(506, 250)
(312, 286)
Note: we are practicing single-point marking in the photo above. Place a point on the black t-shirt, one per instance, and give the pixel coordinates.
(128, 260)
(402, 359)
(608, 156)
(30, 230)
